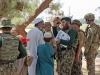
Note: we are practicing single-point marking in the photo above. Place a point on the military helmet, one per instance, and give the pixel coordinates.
(77, 22)
(89, 16)
(6, 22)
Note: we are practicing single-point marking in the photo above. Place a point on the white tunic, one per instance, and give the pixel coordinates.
(36, 38)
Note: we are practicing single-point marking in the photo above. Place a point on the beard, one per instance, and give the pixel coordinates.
(41, 28)
(65, 27)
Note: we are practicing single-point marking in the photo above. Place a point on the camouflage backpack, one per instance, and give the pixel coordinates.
(98, 33)
(9, 50)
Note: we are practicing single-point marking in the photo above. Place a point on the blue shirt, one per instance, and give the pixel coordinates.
(45, 62)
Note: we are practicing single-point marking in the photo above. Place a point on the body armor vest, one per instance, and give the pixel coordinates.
(9, 50)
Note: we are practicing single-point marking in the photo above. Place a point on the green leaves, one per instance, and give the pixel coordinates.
(12, 8)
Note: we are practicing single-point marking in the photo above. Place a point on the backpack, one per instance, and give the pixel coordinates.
(98, 33)
(9, 50)
(96, 37)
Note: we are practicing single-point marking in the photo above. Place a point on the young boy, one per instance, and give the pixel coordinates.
(24, 62)
(45, 52)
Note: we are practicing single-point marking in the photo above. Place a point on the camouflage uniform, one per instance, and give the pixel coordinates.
(68, 54)
(77, 66)
(55, 30)
(10, 50)
(91, 44)
(67, 59)
(8, 69)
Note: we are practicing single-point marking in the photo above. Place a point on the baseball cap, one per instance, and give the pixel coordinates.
(23, 39)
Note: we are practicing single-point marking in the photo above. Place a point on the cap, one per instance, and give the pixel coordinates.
(23, 39)
(6, 22)
(66, 18)
(47, 24)
(76, 22)
(37, 20)
(47, 35)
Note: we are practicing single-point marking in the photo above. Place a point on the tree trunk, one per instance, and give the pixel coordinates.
(20, 28)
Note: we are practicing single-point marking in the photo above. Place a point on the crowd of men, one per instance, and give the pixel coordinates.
(42, 46)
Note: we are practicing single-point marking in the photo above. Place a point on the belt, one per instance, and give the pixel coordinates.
(68, 48)
(61, 48)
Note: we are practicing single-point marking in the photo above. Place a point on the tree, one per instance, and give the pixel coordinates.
(17, 8)
(25, 10)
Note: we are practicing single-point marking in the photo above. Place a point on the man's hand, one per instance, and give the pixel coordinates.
(58, 41)
(55, 47)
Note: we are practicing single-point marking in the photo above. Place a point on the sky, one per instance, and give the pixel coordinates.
(78, 8)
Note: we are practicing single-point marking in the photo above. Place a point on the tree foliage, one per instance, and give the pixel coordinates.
(54, 7)
(17, 8)
(22, 9)
(23, 12)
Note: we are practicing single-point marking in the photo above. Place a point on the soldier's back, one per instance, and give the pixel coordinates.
(9, 53)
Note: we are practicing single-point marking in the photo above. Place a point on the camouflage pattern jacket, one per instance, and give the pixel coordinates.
(91, 39)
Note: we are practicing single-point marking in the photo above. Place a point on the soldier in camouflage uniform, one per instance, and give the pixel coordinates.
(77, 65)
(91, 43)
(11, 49)
(67, 53)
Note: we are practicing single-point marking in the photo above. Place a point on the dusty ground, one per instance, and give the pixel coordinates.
(84, 69)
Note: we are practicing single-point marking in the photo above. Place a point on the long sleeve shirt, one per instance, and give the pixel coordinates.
(45, 63)
(36, 38)
(73, 35)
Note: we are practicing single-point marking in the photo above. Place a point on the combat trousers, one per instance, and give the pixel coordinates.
(90, 59)
(57, 57)
(77, 67)
(8, 69)
(58, 66)
(67, 59)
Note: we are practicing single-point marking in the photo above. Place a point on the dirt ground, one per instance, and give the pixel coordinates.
(84, 69)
